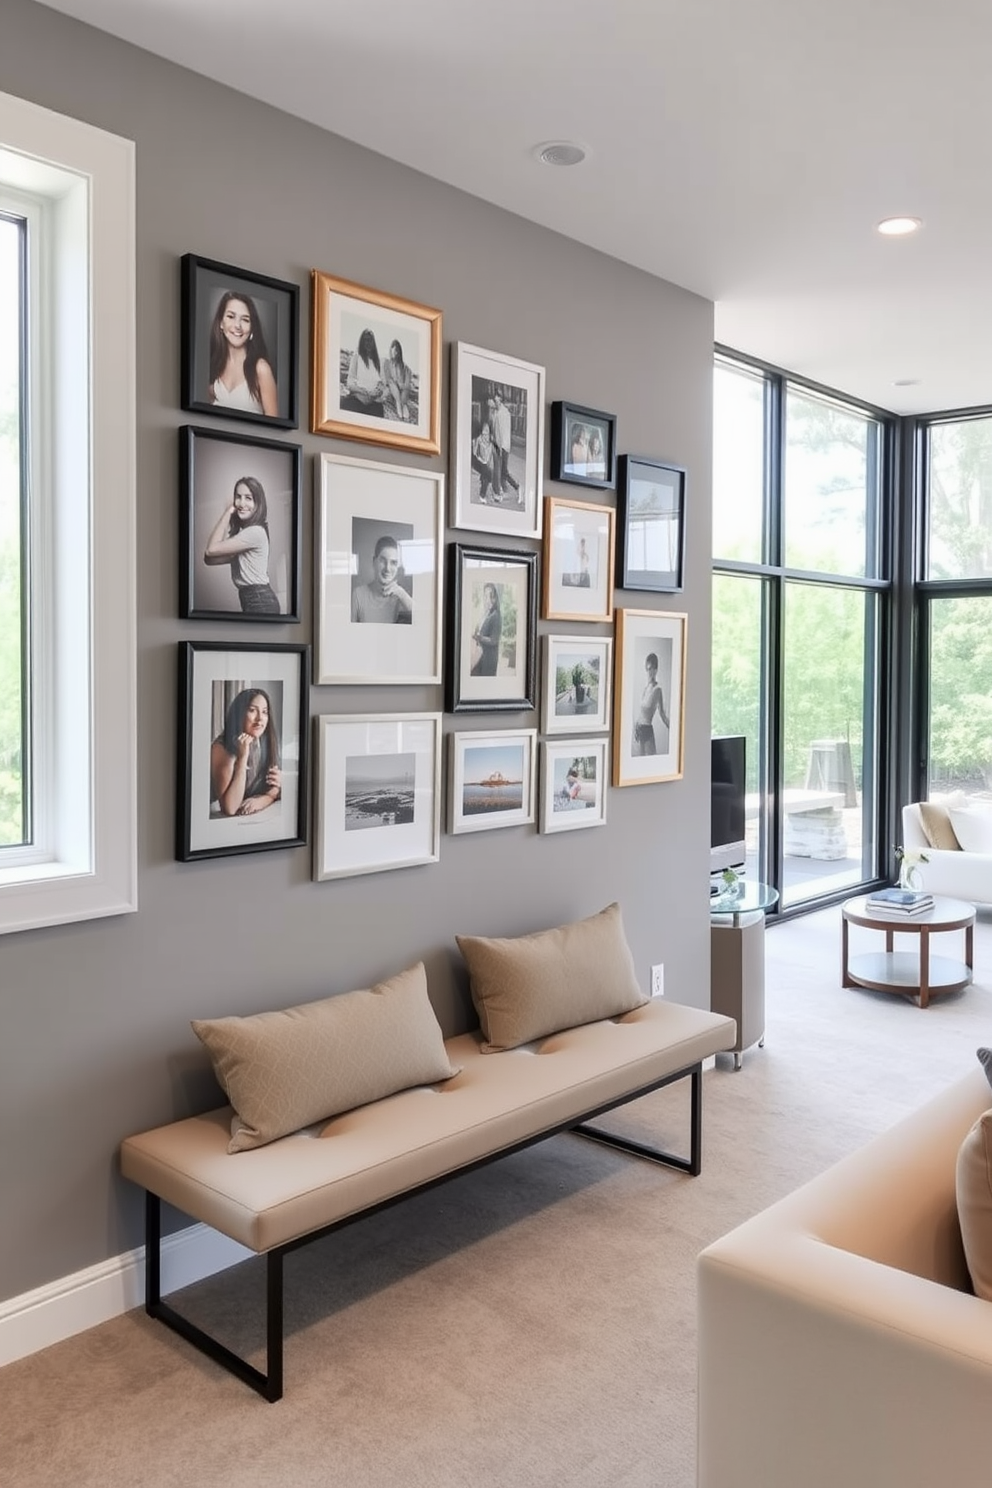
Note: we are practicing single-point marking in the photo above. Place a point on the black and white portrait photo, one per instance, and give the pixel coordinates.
(498, 442)
(241, 516)
(245, 752)
(382, 584)
(648, 697)
(650, 713)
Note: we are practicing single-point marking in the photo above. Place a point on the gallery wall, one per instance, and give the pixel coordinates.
(94, 1018)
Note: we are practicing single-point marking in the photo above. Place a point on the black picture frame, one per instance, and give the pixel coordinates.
(215, 466)
(511, 687)
(651, 513)
(570, 419)
(214, 677)
(276, 307)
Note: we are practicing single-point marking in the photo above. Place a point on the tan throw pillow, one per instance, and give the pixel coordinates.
(288, 1069)
(532, 985)
(973, 1181)
(937, 827)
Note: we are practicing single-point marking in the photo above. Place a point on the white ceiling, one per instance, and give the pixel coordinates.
(744, 149)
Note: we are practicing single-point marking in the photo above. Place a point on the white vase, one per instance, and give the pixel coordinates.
(909, 876)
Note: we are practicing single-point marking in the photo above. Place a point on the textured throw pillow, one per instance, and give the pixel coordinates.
(985, 1060)
(532, 985)
(973, 1182)
(288, 1069)
(972, 827)
(937, 826)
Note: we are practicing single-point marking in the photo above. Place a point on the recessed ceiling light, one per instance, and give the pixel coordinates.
(899, 227)
(559, 152)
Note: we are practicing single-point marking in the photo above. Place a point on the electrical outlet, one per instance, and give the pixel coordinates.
(658, 980)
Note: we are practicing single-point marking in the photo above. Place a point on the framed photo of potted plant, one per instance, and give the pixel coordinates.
(577, 678)
(497, 454)
(491, 780)
(578, 560)
(492, 630)
(573, 784)
(583, 446)
(649, 697)
(651, 508)
(376, 366)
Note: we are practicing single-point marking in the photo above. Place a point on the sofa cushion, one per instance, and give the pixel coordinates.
(972, 826)
(527, 986)
(285, 1070)
(973, 1183)
(937, 826)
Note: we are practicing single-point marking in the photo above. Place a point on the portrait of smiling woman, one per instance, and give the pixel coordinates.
(245, 772)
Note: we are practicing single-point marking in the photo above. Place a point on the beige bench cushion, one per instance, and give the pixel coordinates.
(310, 1179)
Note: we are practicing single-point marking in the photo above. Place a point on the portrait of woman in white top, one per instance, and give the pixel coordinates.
(240, 538)
(240, 373)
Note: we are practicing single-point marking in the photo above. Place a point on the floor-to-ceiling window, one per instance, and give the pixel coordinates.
(800, 597)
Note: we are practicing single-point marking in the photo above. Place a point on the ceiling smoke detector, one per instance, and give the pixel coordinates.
(559, 152)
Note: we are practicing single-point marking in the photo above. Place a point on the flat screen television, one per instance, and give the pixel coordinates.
(728, 776)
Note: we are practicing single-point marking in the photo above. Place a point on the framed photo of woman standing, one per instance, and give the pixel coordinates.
(492, 630)
(239, 343)
(649, 697)
(240, 527)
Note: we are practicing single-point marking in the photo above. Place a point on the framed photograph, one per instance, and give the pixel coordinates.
(578, 560)
(583, 446)
(378, 553)
(573, 784)
(492, 630)
(651, 504)
(242, 748)
(376, 366)
(497, 451)
(649, 697)
(378, 792)
(491, 780)
(239, 518)
(238, 343)
(577, 676)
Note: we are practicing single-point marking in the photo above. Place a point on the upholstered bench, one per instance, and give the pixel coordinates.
(293, 1188)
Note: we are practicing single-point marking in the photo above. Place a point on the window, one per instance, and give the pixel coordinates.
(67, 431)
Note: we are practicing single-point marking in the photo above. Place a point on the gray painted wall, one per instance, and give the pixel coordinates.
(94, 1018)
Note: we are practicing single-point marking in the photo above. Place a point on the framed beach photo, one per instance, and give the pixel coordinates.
(376, 366)
(239, 343)
(491, 780)
(578, 560)
(378, 792)
(577, 677)
(492, 630)
(378, 558)
(239, 517)
(649, 697)
(242, 748)
(651, 508)
(573, 784)
(497, 442)
(583, 446)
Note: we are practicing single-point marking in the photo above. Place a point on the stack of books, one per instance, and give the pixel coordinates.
(900, 903)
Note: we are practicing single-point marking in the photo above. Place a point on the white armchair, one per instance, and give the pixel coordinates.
(955, 873)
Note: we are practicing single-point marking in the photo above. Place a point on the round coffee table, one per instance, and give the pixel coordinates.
(902, 971)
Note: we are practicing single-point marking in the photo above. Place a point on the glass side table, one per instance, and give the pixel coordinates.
(737, 960)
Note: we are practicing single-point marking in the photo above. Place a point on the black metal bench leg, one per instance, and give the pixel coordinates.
(692, 1164)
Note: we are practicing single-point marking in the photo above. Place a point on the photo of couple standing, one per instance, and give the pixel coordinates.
(499, 442)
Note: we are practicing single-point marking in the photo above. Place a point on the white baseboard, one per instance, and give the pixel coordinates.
(80, 1301)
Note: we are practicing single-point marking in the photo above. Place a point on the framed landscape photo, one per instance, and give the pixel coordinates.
(649, 697)
(577, 677)
(239, 343)
(573, 784)
(378, 792)
(492, 630)
(578, 560)
(376, 366)
(651, 506)
(242, 748)
(583, 446)
(497, 442)
(239, 518)
(491, 780)
(378, 556)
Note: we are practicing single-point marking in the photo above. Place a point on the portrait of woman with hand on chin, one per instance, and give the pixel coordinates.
(245, 772)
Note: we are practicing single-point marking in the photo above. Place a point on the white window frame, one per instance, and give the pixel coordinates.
(81, 454)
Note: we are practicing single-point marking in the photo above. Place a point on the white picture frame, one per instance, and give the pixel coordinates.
(574, 775)
(491, 780)
(504, 393)
(639, 708)
(378, 792)
(362, 504)
(578, 684)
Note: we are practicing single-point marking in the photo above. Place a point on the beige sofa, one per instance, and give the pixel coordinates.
(948, 871)
(839, 1343)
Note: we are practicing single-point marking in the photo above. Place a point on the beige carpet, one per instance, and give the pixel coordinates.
(531, 1325)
